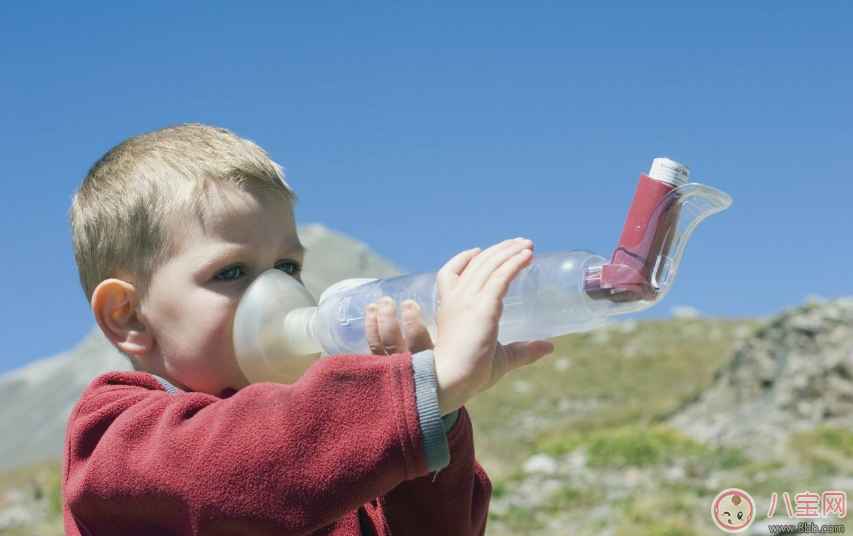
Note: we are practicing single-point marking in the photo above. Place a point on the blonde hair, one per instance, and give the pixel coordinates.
(120, 211)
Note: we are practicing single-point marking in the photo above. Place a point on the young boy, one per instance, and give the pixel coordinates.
(169, 229)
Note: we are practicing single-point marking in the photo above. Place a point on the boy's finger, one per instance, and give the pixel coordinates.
(498, 284)
(449, 273)
(481, 275)
(371, 331)
(414, 330)
(389, 327)
(482, 258)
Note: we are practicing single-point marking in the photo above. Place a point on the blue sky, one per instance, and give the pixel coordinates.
(426, 128)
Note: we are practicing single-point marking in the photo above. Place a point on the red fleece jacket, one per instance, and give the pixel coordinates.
(339, 452)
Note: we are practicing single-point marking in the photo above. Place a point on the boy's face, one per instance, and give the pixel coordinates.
(191, 301)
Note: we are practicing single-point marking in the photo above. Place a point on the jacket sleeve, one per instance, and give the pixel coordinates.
(452, 501)
(270, 459)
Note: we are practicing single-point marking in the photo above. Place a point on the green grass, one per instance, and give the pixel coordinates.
(671, 362)
(834, 438)
(660, 527)
(517, 520)
(635, 446)
(622, 403)
(40, 482)
(569, 498)
(826, 451)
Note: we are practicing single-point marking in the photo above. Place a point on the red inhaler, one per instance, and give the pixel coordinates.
(639, 261)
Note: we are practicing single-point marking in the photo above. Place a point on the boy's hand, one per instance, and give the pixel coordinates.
(471, 287)
(383, 330)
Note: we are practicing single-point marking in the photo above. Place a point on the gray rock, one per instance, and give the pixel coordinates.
(562, 364)
(19, 510)
(540, 463)
(521, 386)
(793, 374)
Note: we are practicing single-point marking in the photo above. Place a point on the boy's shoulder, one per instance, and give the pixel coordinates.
(120, 379)
(115, 384)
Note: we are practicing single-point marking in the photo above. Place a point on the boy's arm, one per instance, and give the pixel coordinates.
(272, 458)
(453, 501)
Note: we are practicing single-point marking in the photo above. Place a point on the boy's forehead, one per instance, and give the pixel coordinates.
(240, 219)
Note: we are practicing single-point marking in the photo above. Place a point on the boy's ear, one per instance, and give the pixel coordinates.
(115, 305)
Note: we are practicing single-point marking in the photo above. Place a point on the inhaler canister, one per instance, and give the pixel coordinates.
(648, 231)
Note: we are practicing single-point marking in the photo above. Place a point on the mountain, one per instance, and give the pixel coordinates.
(38, 398)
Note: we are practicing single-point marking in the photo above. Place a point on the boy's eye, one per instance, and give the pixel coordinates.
(229, 274)
(295, 267)
(234, 272)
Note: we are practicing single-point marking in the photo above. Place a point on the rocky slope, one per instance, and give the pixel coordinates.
(772, 416)
(794, 375)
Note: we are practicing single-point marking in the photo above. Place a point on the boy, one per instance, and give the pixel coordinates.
(169, 229)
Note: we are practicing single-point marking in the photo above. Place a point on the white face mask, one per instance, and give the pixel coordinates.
(275, 335)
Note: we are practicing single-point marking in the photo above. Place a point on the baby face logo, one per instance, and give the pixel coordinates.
(733, 510)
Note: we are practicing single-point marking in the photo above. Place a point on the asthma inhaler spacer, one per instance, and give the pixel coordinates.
(279, 331)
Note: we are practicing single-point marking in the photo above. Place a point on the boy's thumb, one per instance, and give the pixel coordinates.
(526, 352)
